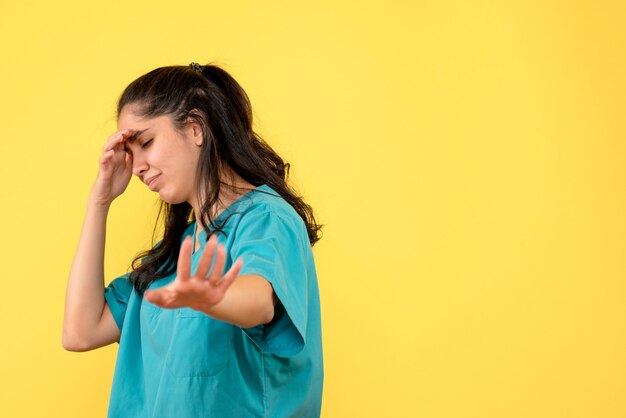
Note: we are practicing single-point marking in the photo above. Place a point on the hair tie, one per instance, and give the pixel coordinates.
(196, 67)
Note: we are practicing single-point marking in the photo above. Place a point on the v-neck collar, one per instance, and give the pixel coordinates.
(201, 238)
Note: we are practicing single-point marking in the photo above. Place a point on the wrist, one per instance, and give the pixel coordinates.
(98, 204)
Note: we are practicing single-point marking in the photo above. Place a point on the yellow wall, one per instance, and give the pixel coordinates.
(467, 158)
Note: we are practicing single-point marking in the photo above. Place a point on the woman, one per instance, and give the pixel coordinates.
(221, 317)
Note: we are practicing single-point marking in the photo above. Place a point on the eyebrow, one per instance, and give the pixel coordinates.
(134, 136)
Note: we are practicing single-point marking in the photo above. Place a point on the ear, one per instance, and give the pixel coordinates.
(195, 121)
(197, 133)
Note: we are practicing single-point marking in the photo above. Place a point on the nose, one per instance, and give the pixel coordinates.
(140, 166)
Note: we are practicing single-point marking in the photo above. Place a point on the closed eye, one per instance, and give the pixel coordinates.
(145, 144)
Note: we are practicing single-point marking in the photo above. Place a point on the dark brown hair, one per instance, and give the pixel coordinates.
(213, 99)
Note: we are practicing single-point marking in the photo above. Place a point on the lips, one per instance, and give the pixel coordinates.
(151, 181)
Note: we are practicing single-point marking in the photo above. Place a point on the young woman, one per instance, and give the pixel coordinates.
(221, 317)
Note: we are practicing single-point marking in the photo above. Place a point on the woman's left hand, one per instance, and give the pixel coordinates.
(198, 292)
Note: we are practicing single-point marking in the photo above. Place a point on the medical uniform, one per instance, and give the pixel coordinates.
(179, 363)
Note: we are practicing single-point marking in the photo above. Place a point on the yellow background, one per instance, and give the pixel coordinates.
(467, 159)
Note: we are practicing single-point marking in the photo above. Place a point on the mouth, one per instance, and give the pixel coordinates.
(151, 182)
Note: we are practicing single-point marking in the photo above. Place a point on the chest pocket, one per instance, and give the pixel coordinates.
(192, 343)
(200, 345)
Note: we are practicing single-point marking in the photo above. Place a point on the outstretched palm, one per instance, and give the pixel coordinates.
(199, 291)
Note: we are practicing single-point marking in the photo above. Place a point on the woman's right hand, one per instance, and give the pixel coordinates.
(115, 171)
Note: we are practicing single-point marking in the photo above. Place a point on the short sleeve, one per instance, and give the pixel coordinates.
(272, 247)
(117, 294)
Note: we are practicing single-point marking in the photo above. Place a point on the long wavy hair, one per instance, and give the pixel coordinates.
(212, 98)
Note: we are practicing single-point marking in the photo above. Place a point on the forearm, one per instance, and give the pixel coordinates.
(248, 302)
(84, 300)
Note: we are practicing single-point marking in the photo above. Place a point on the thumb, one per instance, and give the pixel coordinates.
(153, 297)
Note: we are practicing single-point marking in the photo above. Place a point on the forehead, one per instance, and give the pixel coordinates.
(129, 118)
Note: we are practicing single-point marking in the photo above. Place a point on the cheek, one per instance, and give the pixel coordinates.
(178, 168)
(190, 166)
(181, 176)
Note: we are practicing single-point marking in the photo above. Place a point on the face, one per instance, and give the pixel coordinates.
(164, 158)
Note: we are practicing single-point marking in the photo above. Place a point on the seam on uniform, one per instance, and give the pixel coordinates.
(264, 380)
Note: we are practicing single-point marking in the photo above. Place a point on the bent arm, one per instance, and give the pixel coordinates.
(248, 302)
(88, 322)
(245, 301)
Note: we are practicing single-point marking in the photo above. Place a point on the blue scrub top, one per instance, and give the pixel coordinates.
(182, 363)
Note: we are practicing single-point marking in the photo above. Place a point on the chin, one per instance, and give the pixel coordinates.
(172, 200)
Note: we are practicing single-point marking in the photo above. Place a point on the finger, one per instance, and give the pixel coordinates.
(162, 297)
(207, 257)
(218, 266)
(154, 296)
(184, 260)
(118, 138)
(114, 141)
(106, 157)
(129, 161)
(121, 131)
(115, 135)
(232, 274)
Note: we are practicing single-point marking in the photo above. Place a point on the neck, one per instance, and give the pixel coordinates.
(232, 188)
